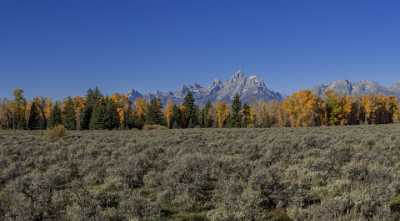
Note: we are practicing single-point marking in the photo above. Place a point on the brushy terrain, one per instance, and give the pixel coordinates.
(337, 173)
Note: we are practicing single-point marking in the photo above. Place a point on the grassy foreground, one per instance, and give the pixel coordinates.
(338, 173)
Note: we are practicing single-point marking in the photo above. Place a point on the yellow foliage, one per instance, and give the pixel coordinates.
(302, 108)
(140, 108)
(122, 102)
(169, 113)
(221, 113)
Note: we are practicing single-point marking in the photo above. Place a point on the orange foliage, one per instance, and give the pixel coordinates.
(169, 113)
(302, 107)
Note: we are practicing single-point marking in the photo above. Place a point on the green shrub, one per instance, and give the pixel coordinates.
(395, 204)
(190, 217)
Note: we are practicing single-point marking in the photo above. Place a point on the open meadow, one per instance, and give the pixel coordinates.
(332, 173)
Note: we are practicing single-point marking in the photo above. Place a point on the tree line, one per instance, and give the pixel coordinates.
(98, 112)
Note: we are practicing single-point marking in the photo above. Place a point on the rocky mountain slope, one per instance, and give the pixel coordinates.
(345, 87)
(250, 88)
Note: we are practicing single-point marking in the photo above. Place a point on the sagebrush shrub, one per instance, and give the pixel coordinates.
(202, 174)
(56, 132)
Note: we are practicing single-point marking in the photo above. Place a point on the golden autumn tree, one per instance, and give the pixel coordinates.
(221, 114)
(368, 104)
(282, 116)
(169, 113)
(140, 110)
(122, 103)
(261, 114)
(347, 108)
(268, 114)
(303, 108)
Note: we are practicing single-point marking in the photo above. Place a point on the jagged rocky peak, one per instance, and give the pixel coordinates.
(343, 87)
(239, 74)
(364, 87)
(396, 87)
(250, 88)
(134, 94)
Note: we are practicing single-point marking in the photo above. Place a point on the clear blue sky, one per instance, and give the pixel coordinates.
(62, 47)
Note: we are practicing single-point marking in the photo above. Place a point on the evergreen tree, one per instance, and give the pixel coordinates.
(18, 110)
(111, 119)
(154, 114)
(93, 96)
(69, 114)
(206, 120)
(34, 117)
(131, 119)
(236, 116)
(190, 117)
(55, 116)
(42, 106)
(97, 120)
(176, 120)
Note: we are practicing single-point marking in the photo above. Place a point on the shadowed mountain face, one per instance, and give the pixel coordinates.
(344, 87)
(250, 88)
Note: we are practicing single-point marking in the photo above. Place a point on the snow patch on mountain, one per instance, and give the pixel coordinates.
(345, 87)
(251, 89)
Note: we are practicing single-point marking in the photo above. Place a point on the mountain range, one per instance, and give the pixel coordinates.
(252, 89)
(345, 87)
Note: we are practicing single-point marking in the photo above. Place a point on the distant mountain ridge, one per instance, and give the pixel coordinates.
(360, 88)
(250, 88)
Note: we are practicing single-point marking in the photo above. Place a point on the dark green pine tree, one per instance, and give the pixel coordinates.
(34, 117)
(93, 96)
(177, 117)
(18, 115)
(55, 116)
(191, 119)
(206, 120)
(136, 122)
(130, 120)
(111, 118)
(154, 114)
(69, 114)
(236, 115)
(97, 121)
(43, 118)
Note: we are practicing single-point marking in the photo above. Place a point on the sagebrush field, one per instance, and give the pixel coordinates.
(336, 173)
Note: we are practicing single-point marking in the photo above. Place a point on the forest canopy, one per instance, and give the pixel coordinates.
(95, 111)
